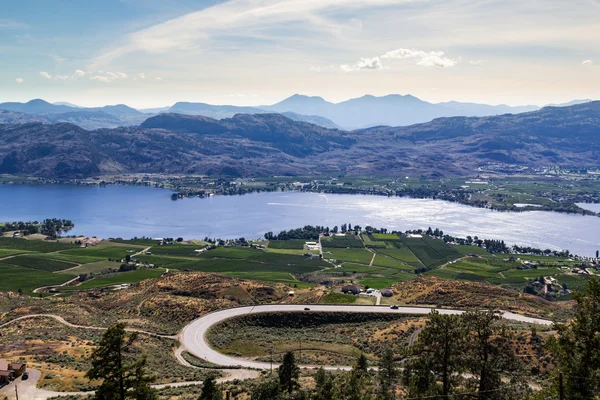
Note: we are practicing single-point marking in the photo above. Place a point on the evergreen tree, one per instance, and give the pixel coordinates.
(210, 391)
(288, 373)
(324, 384)
(121, 378)
(266, 390)
(388, 374)
(438, 356)
(491, 357)
(577, 348)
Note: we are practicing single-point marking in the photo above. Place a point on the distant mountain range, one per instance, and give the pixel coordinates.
(272, 144)
(359, 113)
(391, 110)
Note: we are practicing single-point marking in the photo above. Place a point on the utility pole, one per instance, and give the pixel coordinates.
(16, 392)
(561, 386)
(271, 352)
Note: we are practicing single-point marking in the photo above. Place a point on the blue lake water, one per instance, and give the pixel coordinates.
(126, 211)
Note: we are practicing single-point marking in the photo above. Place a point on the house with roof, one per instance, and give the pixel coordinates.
(10, 371)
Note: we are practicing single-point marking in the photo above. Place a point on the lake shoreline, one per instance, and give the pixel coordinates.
(134, 211)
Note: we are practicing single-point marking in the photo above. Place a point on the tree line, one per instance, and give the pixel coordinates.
(51, 227)
(468, 355)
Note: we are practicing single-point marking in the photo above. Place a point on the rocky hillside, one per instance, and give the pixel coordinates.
(271, 144)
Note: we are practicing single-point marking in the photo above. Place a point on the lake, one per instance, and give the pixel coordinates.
(128, 211)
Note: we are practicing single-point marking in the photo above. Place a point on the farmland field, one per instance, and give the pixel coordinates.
(292, 244)
(40, 246)
(27, 279)
(121, 278)
(38, 263)
(348, 240)
(361, 256)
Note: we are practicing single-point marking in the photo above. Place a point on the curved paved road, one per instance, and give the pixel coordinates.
(193, 336)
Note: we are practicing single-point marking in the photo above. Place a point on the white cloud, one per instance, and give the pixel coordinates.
(315, 68)
(363, 63)
(20, 80)
(158, 78)
(117, 75)
(141, 76)
(46, 75)
(476, 62)
(79, 73)
(100, 78)
(62, 77)
(424, 58)
(587, 62)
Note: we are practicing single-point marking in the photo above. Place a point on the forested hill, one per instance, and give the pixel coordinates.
(271, 144)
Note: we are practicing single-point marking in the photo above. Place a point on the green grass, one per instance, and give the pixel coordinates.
(183, 250)
(38, 263)
(76, 259)
(348, 240)
(293, 244)
(139, 242)
(338, 298)
(11, 252)
(385, 237)
(372, 243)
(95, 267)
(101, 252)
(14, 278)
(40, 246)
(402, 253)
(387, 261)
(386, 281)
(361, 256)
(120, 278)
(464, 250)
(431, 252)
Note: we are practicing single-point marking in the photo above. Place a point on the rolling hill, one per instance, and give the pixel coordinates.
(271, 144)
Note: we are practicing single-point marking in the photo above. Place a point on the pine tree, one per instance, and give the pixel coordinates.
(289, 372)
(438, 356)
(121, 378)
(577, 348)
(210, 391)
(388, 373)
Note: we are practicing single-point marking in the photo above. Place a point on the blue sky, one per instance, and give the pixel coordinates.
(155, 52)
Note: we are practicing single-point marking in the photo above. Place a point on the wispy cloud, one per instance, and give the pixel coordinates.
(116, 75)
(100, 78)
(253, 17)
(19, 80)
(46, 75)
(587, 63)
(62, 77)
(10, 24)
(141, 76)
(79, 73)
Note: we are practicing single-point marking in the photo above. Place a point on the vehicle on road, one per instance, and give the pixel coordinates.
(25, 376)
(394, 307)
(306, 309)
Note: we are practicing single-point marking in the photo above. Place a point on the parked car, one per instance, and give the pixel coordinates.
(25, 376)
(306, 309)
(394, 307)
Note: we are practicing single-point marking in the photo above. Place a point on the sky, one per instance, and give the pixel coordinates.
(153, 53)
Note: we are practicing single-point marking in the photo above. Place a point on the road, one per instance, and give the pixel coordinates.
(96, 328)
(193, 339)
(28, 389)
(193, 336)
